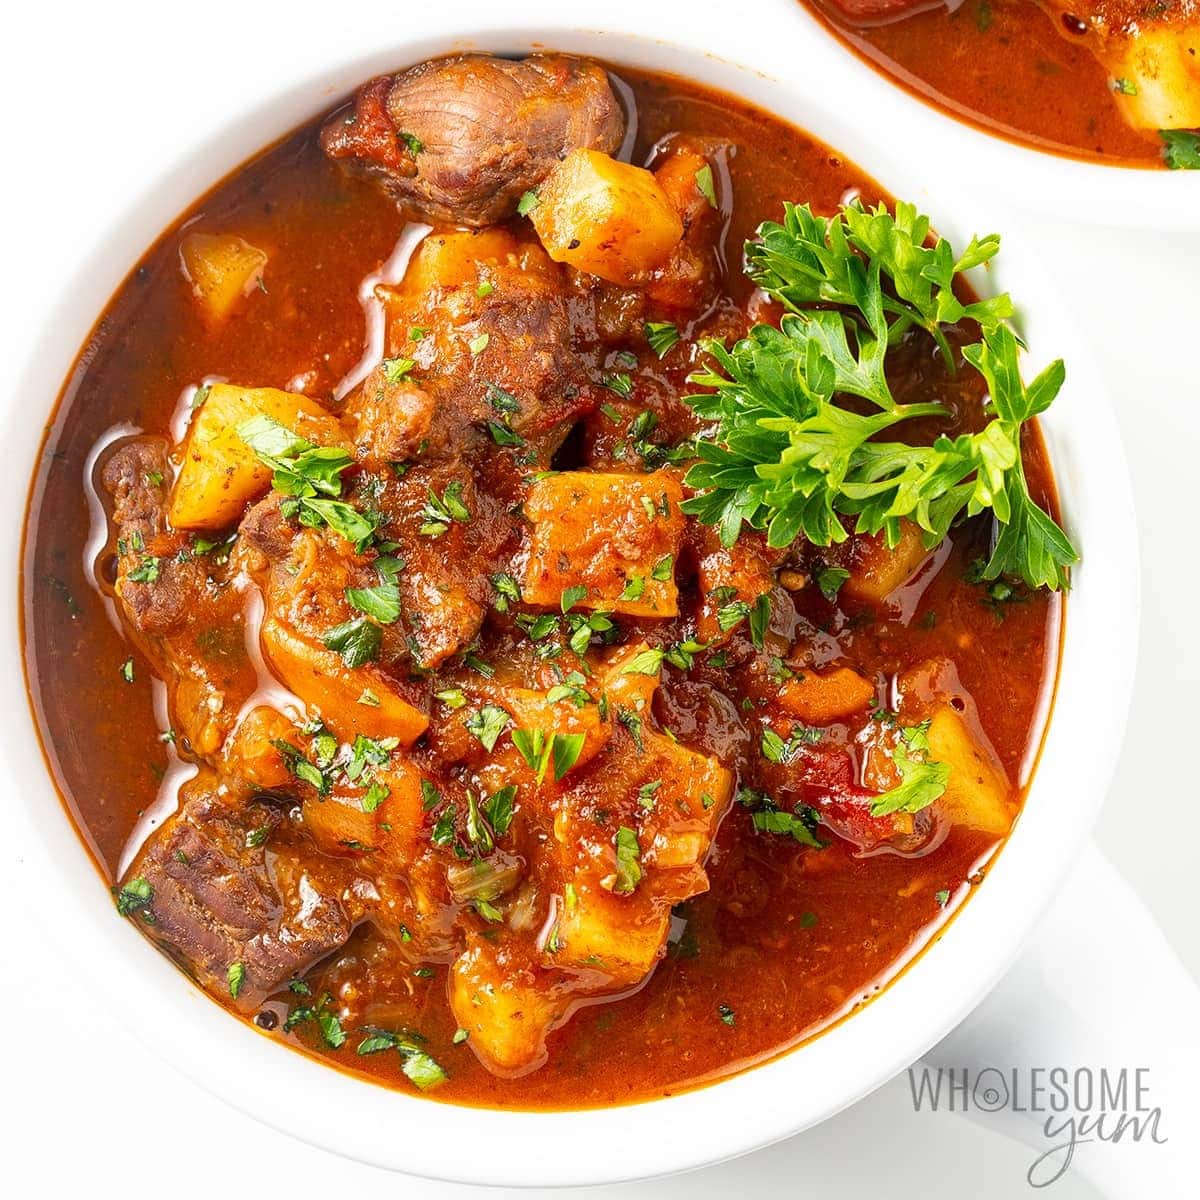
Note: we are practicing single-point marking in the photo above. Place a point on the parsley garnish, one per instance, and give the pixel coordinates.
(440, 511)
(646, 662)
(830, 580)
(790, 458)
(136, 896)
(236, 976)
(661, 335)
(301, 768)
(357, 641)
(1181, 149)
(768, 817)
(309, 477)
(508, 591)
(635, 585)
(572, 596)
(488, 724)
(395, 369)
(414, 143)
(922, 781)
(538, 748)
(629, 861)
(147, 571)
(381, 601)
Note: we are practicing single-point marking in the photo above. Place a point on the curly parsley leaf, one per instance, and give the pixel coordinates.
(1181, 149)
(791, 458)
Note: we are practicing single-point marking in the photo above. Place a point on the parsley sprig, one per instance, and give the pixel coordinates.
(791, 457)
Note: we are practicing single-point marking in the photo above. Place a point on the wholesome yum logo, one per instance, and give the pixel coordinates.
(1079, 1106)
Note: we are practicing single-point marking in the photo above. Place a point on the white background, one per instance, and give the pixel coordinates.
(89, 98)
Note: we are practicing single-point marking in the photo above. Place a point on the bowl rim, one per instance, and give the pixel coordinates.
(743, 1112)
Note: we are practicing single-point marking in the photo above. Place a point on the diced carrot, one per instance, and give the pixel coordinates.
(616, 536)
(820, 699)
(319, 677)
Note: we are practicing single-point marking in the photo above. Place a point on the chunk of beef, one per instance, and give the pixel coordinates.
(179, 605)
(264, 528)
(224, 891)
(460, 139)
(444, 588)
(492, 323)
(158, 588)
(687, 282)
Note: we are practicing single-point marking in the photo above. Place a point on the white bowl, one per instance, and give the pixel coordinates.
(416, 1135)
(1019, 175)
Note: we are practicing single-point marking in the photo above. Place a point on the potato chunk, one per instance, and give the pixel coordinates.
(667, 800)
(1162, 67)
(506, 1004)
(976, 793)
(615, 535)
(451, 258)
(222, 268)
(877, 570)
(220, 473)
(319, 677)
(250, 752)
(605, 217)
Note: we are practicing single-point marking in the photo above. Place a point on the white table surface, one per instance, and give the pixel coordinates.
(84, 1106)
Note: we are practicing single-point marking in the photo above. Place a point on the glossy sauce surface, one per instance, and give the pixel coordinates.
(784, 941)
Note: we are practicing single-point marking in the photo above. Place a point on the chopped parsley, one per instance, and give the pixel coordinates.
(487, 724)
(382, 601)
(830, 580)
(922, 780)
(235, 977)
(661, 335)
(440, 511)
(629, 861)
(136, 896)
(357, 641)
